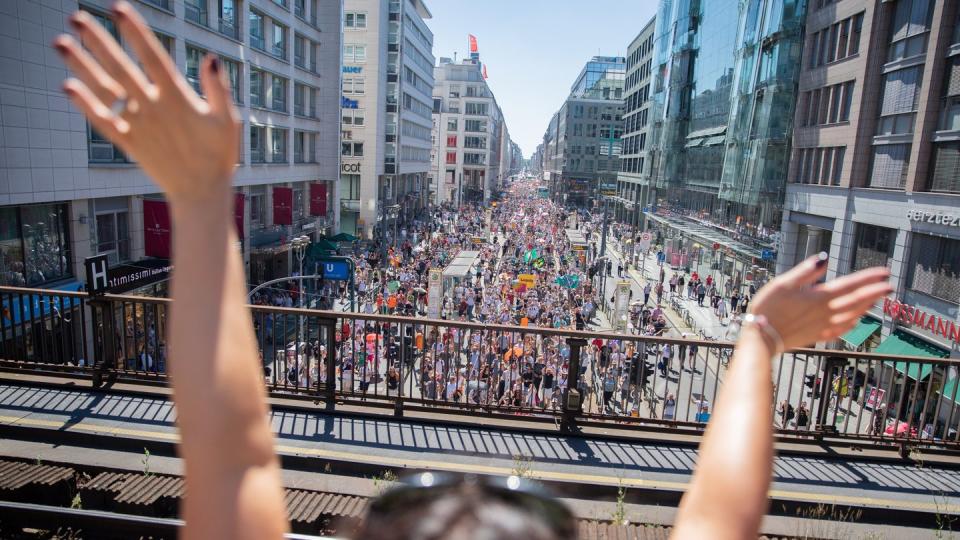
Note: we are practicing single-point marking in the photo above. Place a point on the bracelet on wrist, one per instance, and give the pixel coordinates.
(763, 324)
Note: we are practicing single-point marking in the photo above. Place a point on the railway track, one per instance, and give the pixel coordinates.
(41, 500)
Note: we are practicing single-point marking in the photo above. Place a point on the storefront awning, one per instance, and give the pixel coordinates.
(950, 390)
(34, 307)
(864, 329)
(906, 345)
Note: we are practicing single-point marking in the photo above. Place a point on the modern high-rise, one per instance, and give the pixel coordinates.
(472, 152)
(387, 105)
(68, 194)
(875, 171)
(724, 90)
(633, 180)
(582, 144)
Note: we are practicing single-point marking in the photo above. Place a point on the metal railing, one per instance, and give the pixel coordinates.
(526, 373)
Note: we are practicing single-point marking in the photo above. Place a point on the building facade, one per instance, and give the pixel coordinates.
(875, 172)
(67, 193)
(472, 151)
(582, 144)
(387, 96)
(633, 180)
(724, 92)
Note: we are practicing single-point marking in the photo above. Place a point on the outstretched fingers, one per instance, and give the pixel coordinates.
(110, 56)
(847, 284)
(807, 272)
(79, 61)
(154, 58)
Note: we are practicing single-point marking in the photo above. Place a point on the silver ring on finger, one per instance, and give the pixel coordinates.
(119, 106)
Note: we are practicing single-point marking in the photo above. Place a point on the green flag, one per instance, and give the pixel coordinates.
(530, 256)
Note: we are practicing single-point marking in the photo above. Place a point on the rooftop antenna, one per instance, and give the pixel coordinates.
(454, 57)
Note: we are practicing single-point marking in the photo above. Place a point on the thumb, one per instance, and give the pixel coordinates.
(807, 272)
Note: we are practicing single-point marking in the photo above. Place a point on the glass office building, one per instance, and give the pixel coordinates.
(723, 114)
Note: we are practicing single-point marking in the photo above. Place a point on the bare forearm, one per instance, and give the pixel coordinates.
(737, 449)
(221, 408)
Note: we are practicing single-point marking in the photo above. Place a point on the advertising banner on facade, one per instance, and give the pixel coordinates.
(318, 199)
(434, 293)
(620, 305)
(238, 204)
(156, 229)
(282, 206)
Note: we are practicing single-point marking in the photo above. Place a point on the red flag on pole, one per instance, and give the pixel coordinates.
(473, 42)
(484, 71)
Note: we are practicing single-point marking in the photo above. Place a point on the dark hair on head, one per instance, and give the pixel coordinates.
(466, 511)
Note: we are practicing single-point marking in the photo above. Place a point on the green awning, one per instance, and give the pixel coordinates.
(864, 329)
(344, 237)
(950, 390)
(906, 345)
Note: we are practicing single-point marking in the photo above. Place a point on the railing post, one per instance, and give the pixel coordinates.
(572, 400)
(106, 359)
(826, 382)
(331, 367)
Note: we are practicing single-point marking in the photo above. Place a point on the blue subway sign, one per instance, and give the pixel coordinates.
(335, 270)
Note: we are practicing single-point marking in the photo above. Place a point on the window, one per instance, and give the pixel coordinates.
(354, 20)
(300, 8)
(353, 85)
(945, 173)
(278, 145)
(451, 141)
(278, 98)
(354, 54)
(304, 100)
(279, 44)
(168, 44)
(256, 88)
(195, 11)
(475, 126)
(162, 4)
(475, 142)
(935, 267)
(304, 147)
(452, 124)
(101, 150)
(300, 51)
(353, 117)
(350, 187)
(258, 134)
(34, 244)
(258, 207)
(232, 70)
(835, 42)
(113, 236)
(451, 158)
(281, 3)
(256, 31)
(351, 149)
(228, 18)
(475, 108)
(901, 93)
(194, 57)
(908, 30)
(874, 246)
(890, 162)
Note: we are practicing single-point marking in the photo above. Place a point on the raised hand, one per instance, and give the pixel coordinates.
(804, 312)
(187, 144)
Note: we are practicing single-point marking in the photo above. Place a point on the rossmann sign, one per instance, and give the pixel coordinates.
(908, 315)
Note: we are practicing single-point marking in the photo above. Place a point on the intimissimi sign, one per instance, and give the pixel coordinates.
(911, 316)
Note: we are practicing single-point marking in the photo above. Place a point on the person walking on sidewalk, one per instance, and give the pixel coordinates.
(673, 284)
(620, 269)
(701, 292)
(646, 293)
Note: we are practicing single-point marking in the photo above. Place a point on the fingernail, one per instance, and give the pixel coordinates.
(119, 9)
(60, 47)
(215, 65)
(75, 21)
(822, 259)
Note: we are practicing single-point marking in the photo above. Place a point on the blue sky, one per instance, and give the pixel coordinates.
(534, 49)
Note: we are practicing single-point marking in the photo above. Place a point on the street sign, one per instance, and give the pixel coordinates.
(646, 237)
(335, 270)
(767, 254)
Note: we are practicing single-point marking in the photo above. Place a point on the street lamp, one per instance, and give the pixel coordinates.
(299, 245)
